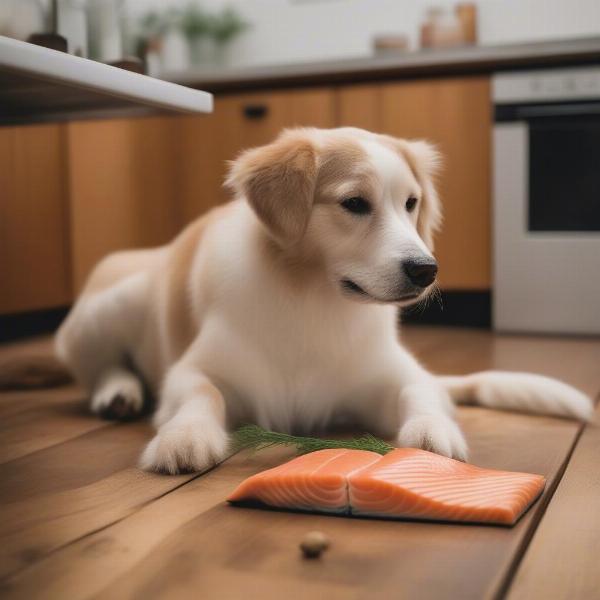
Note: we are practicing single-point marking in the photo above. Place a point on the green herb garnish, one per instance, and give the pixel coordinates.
(253, 436)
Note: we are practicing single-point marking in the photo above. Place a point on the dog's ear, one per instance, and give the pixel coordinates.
(278, 181)
(425, 162)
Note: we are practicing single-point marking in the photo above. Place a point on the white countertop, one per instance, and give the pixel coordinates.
(44, 83)
(434, 62)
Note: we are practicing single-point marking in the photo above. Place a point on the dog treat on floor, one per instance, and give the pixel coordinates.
(314, 544)
(404, 483)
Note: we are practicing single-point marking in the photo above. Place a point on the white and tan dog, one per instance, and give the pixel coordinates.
(280, 308)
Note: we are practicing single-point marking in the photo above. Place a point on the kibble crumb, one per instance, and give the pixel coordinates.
(314, 544)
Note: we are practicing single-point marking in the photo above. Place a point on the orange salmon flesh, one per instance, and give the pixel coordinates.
(406, 483)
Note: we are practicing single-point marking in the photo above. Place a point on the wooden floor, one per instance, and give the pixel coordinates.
(78, 520)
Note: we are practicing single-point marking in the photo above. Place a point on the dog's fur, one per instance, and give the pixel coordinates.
(250, 316)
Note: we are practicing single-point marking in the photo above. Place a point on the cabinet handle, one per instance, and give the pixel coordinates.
(255, 111)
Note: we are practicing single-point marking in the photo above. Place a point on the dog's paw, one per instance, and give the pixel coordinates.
(439, 434)
(185, 447)
(119, 395)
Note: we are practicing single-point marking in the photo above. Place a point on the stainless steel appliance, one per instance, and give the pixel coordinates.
(546, 197)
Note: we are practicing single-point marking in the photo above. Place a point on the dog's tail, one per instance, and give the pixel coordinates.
(32, 372)
(522, 392)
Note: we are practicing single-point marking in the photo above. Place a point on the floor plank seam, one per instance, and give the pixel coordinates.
(522, 550)
(134, 510)
(92, 532)
(107, 425)
(95, 526)
(20, 570)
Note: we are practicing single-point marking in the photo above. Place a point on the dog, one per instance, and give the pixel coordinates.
(280, 308)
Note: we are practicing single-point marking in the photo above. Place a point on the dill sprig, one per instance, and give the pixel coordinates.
(253, 436)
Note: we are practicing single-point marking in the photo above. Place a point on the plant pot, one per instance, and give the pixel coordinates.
(202, 51)
(175, 52)
(222, 54)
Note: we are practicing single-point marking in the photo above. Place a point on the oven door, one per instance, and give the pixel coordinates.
(546, 226)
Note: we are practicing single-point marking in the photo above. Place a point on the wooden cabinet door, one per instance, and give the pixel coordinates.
(360, 106)
(122, 187)
(240, 121)
(135, 182)
(455, 114)
(34, 235)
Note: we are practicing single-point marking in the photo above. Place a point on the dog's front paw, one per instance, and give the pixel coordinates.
(183, 448)
(439, 434)
(119, 395)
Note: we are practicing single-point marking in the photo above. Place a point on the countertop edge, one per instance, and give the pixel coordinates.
(454, 61)
(54, 66)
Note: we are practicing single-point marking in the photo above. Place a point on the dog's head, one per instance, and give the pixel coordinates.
(365, 204)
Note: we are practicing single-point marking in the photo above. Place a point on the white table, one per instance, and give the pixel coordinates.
(39, 84)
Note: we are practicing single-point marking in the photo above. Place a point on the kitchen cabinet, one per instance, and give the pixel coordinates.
(34, 243)
(240, 121)
(455, 114)
(122, 187)
(72, 193)
(360, 106)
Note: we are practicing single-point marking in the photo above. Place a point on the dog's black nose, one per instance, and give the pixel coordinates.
(421, 272)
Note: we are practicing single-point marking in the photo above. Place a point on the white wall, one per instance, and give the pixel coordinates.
(286, 31)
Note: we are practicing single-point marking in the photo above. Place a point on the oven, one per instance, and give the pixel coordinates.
(546, 201)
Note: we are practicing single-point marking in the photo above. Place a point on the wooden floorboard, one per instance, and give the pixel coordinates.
(52, 497)
(36, 419)
(32, 421)
(562, 559)
(458, 350)
(39, 346)
(195, 534)
(79, 520)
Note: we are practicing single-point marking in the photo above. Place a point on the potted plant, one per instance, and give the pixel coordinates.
(224, 27)
(195, 24)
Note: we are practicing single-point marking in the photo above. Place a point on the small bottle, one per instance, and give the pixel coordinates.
(441, 30)
(73, 26)
(467, 15)
(428, 27)
(104, 30)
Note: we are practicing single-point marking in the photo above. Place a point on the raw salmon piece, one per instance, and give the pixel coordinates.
(417, 484)
(405, 483)
(315, 481)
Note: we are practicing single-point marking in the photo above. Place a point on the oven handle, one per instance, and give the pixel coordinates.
(524, 112)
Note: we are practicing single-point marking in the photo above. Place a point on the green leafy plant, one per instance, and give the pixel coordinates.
(154, 24)
(226, 25)
(253, 436)
(152, 27)
(195, 22)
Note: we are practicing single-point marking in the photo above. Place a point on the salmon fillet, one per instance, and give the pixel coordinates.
(405, 483)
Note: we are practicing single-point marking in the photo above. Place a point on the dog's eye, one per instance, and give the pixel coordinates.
(357, 205)
(411, 203)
